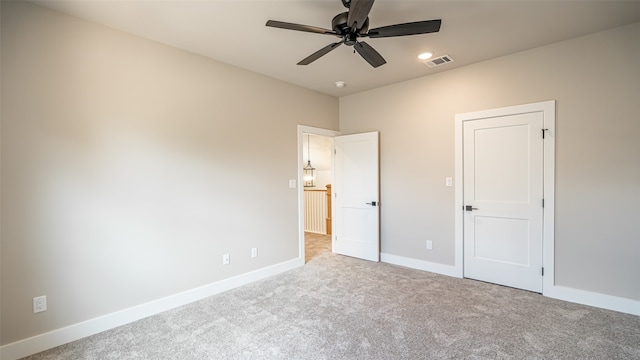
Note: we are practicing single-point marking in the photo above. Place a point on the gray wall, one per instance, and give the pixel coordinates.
(596, 82)
(130, 167)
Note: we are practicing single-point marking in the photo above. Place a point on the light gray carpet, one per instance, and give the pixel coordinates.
(337, 307)
(315, 245)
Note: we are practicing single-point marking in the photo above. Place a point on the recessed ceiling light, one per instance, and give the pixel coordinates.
(425, 55)
(340, 84)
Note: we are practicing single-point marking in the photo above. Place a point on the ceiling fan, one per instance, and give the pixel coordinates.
(354, 24)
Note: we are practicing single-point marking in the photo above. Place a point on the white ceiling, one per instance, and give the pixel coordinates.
(234, 32)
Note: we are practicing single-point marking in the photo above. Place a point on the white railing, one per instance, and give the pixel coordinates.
(315, 211)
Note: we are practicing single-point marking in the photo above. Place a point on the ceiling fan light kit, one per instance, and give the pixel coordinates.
(354, 24)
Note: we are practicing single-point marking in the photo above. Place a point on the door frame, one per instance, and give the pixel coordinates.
(303, 129)
(548, 109)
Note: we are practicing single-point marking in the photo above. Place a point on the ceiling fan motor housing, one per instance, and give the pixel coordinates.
(340, 26)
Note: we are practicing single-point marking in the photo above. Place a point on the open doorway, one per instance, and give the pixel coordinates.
(317, 177)
(315, 150)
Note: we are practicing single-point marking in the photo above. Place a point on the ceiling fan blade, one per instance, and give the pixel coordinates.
(370, 54)
(358, 12)
(298, 27)
(318, 54)
(412, 28)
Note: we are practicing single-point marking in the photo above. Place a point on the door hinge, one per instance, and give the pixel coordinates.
(543, 131)
(542, 271)
(542, 202)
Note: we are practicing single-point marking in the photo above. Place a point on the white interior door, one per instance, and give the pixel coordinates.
(356, 215)
(503, 195)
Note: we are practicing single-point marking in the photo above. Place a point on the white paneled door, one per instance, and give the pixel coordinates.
(356, 217)
(503, 200)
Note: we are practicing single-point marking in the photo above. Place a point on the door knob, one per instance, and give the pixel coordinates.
(469, 208)
(373, 203)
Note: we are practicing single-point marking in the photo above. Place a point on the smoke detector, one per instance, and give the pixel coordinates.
(441, 60)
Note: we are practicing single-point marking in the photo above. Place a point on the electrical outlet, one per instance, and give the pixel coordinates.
(448, 181)
(226, 259)
(429, 245)
(39, 304)
(254, 252)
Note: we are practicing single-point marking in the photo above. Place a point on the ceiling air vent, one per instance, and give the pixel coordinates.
(438, 61)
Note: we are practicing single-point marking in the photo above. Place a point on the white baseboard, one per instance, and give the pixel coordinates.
(583, 297)
(424, 265)
(78, 331)
(590, 298)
